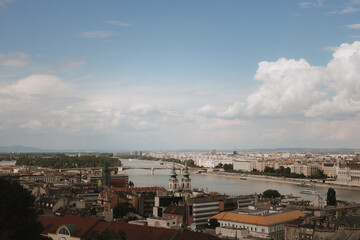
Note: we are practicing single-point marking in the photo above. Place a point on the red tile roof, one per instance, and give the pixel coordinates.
(178, 210)
(82, 224)
(137, 232)
(85, 225)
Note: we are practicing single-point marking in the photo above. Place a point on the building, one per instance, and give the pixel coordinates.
(162, 202)
(176, 213)
(200, 209)
(186, 181)
(260, 223)
(243, 165)
(71, 227)
(109, 200)
(348, 173)
(329, 169)
(173, 181)
(327, 227)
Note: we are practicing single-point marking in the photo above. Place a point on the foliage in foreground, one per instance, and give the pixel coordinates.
(107, 235)
(17, 216)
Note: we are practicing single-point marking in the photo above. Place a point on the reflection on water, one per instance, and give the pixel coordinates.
(231, 186)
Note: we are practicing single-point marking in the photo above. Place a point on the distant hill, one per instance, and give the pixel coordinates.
(22, 149)
(27, 149)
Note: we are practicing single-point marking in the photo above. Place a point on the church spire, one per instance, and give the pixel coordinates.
(173, 173)
(173, 181)
(186, 181)
(186, 172)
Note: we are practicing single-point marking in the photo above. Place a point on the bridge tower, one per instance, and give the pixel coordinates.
(173, 181)
(186, 181)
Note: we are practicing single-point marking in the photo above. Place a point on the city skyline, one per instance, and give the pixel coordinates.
(180, 75)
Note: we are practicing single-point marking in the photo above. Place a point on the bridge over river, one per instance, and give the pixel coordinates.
(123, 168)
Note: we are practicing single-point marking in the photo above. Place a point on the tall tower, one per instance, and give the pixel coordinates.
(173, 181)
(106, 174)
(186, 181)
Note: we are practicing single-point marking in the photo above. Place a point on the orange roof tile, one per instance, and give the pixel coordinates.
(260, 220)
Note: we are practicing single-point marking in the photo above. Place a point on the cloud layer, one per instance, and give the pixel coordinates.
(294, 88)
(293, 100)
(14, 59)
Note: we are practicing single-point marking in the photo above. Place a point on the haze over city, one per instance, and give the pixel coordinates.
(179, 75)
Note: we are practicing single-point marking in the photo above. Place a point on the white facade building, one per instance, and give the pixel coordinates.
(266, 225)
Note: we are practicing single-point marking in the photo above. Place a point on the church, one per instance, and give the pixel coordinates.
(185, 186)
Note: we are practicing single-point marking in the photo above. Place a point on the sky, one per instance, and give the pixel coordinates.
(168, 75)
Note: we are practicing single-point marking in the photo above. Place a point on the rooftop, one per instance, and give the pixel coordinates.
(267, 220)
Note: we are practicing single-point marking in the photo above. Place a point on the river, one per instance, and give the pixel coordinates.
(230, 186)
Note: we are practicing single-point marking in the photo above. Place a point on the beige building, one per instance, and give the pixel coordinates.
(244, 165)
(329, 169)
(348, 173)
(262, 223)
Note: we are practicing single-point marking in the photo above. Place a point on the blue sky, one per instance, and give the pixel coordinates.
(174, 75)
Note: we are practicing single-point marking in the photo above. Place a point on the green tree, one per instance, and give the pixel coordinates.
(271, 193)
(228, 167)
(131, 184)
(107, 235)
(122, 209)
(17, 215)
(331, 197)
(106, 175)
(220, 165)
(213, 223)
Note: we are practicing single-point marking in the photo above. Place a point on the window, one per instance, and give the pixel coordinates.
(64, 231)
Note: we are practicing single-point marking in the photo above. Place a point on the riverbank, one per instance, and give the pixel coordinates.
(244, 177)
(280, 180)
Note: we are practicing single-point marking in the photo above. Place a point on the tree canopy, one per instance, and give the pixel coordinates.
(107, 235)
(122, 209)
(213, 223)
(64, 161)
(331, 197)
(17, 216)
(271, 193)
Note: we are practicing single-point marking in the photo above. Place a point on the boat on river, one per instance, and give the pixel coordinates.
(308, 191)
(303, 184)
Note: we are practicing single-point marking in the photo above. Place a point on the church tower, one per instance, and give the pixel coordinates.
(173, 181)
(186, 181)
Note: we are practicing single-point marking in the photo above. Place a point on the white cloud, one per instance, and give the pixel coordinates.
(316, 3)
(75, 64)
(38, 84)
(97, 34)
(349, 10)
(16, 59)
(288, 87)
(33, 124)
(345, 10)
(294, 88)
(117, 23)
(353, 26)
(143, 109)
